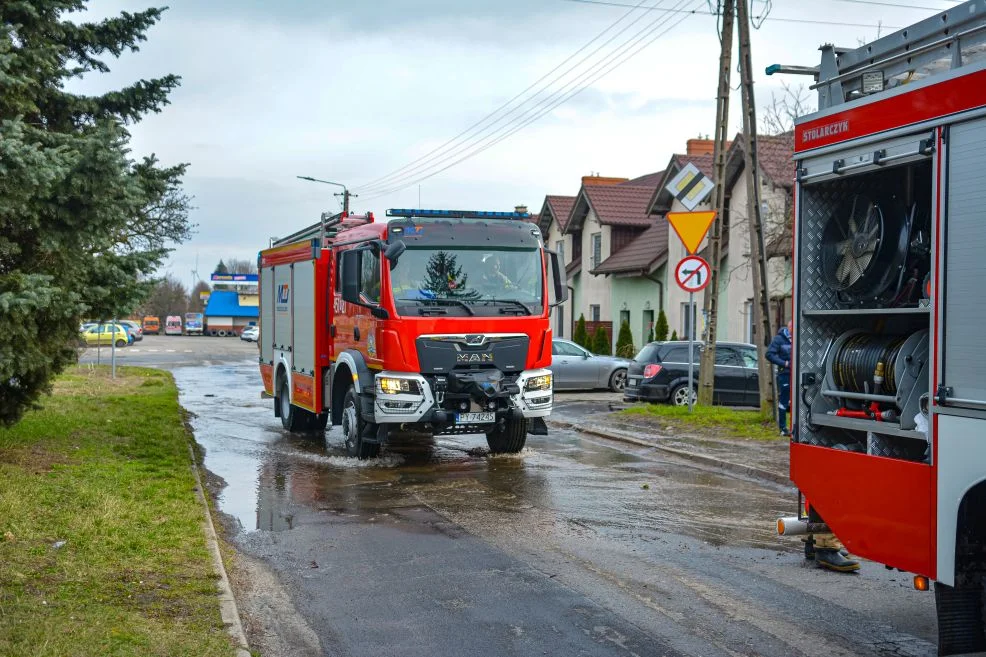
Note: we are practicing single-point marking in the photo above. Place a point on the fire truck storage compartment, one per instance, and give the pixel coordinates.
(864, 256)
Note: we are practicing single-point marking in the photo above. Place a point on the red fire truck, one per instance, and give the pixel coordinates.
(889, 355)
(434, 321)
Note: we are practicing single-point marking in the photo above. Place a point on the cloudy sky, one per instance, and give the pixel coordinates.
(352, 90)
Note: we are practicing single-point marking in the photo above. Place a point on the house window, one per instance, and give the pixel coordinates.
(560, 248)
(648, 324)
(688, 321)
(594, 313)
(597, 249)
(560, 321)
(624, 317)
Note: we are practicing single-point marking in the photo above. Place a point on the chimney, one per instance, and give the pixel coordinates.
(601, 180)
(700, 146)
(520, 208)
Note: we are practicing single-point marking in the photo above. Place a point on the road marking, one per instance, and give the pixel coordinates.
(170, 351)
(188, 351)
(155, 350)
(132, 350)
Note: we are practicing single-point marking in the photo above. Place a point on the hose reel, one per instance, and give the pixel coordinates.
(877, 376)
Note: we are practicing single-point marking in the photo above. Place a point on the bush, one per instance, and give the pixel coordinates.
(581, 336)
(661, 330)
(600, 342)
(674, 335)
(624, 343)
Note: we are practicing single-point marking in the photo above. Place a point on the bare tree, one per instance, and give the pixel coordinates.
(195, 302)
(236, 266)
(169, 297)
(785, 107)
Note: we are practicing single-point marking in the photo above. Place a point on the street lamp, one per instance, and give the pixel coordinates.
(345, 192)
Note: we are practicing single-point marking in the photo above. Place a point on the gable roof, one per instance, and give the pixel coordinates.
(776, 155)
(624, 204)
(557, 208)
(641, 256)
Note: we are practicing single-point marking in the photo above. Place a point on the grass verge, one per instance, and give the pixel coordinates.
(104, 468)
(718, 420)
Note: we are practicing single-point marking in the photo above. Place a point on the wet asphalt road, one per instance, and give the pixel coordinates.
(576, 546)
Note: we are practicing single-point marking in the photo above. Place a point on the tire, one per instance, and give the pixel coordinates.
(121, 343)
(679, 395)
(508, 438)
(618, 381)
(353, 427)
(293, 419)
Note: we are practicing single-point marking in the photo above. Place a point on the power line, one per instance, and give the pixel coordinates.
(469, 130)
(778, 19)
(615, 64)
(488, 132)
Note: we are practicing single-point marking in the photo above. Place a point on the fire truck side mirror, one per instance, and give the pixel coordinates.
(394, 251)
(559, 285)
(351, 266)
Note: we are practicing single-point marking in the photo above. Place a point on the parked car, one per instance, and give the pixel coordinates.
(134, 328)
(576, 368)
(250, 334)
(172, 325)
(152, 325)
(106, 334)
(659, 372)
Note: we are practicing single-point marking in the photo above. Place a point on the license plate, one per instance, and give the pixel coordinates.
(475, 418)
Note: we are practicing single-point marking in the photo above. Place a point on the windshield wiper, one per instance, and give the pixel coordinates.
(440, 302)
(520, 304)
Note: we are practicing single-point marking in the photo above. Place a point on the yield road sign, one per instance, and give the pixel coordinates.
(692, 274)
(691, 227)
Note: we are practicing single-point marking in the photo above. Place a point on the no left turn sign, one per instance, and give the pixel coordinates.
(692, 274)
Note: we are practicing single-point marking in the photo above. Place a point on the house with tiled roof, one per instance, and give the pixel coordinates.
(608, 217)
(735, 301)
(552, 221)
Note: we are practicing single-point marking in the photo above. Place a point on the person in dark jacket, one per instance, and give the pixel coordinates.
(779, 353)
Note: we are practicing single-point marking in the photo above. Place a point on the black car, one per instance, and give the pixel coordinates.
(660, 373)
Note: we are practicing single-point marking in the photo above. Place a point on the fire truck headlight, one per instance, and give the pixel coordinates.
(395, 386)
(542, 382)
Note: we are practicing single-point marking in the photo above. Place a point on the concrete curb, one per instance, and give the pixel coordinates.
(704, 459)
(227, 603)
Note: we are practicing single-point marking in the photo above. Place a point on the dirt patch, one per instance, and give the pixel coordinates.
(272, 624)
(35, 459)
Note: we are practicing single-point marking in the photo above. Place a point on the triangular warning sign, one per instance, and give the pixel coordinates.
(691, 227)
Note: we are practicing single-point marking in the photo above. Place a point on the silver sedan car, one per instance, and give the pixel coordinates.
(574, 368)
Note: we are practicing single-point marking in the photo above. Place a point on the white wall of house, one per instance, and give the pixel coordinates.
(595, 290)
(563, 328)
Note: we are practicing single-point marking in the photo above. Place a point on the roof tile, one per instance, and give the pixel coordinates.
(640, 255)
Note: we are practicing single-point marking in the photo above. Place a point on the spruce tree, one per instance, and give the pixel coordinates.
(661, 330)
(82, 225)
(581, 335)
(650, 334)
(674, 335)
(624, 342)
(600, 342)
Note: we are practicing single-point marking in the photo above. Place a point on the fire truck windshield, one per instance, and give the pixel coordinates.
(468, 281)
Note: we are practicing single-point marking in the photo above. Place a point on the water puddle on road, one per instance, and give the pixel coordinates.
(275, 479)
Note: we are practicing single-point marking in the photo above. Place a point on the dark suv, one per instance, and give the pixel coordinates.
(660, 373)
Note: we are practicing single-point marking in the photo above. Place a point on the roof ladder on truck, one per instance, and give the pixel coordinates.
(326, 227)
(945, 41)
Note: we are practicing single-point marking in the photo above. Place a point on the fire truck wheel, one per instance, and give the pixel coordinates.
(352, 429)
(293, 419)
(507, 438)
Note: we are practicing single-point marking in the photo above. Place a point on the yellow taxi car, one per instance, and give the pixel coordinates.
(105, 334)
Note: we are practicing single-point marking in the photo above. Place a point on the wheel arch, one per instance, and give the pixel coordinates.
(970, 532)
(350, 367)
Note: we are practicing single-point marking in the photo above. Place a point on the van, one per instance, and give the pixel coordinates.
(152, 325)
(172, 325)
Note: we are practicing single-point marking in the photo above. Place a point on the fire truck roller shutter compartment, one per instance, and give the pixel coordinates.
(267, 335)
(283, 297)
(304, 326)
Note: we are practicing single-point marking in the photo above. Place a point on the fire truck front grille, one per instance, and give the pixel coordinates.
(442, 354)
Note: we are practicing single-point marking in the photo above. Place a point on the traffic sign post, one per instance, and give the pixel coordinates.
(692, 275)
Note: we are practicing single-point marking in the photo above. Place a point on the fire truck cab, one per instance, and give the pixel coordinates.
(436, 321)
(889, 355)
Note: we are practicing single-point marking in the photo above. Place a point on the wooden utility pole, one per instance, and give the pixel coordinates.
(758, 256)
(707, 366)
(346, 195)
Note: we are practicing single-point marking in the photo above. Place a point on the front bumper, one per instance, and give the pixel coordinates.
(423, 403)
